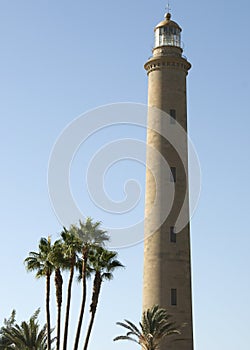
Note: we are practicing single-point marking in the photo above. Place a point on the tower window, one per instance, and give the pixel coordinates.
(173, 296)
(172, 235)
(172, 174)
(172, 113)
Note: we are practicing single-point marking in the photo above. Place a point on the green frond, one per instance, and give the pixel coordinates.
(36, 314)
(107, 276)
(154, 326)
(122, 324)
(133, 327)
(90, 233)
(124, 337)
(130, 326)
(40, 261)
(27, 335)
(103, 261)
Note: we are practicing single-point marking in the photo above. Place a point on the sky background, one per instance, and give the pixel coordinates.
(60, 59)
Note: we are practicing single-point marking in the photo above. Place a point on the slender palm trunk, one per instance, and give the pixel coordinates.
(58, 283)
(84, 266)
(95, 297)
(91, 322)
(66, 326)
(48, 310)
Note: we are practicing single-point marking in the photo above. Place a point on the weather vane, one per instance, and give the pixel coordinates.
(168, 7)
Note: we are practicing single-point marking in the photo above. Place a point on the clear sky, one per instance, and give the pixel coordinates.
(60, 59)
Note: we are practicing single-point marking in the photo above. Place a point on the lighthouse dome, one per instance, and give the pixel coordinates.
(167, 22)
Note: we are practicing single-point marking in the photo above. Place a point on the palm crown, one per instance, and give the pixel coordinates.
(89, 233)
(155, 325)
(27, 336)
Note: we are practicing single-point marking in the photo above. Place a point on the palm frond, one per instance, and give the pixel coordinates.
(124, 337)
(154, 326)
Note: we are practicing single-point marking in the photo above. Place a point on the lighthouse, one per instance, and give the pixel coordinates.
(167, 265)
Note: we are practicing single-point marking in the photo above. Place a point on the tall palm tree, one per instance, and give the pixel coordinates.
(103, 262)
(27, 336)
(59, 262)
(40, 262)
(71, 247)
(155, 325)
(91, 235)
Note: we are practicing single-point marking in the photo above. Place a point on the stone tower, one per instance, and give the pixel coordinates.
(167, 272)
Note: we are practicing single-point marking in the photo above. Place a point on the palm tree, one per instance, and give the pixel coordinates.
(152, 329)
(40, 262)
(59, 262)
(71, 247)
(103, 262)
(91, 235)
(5, 342)
(27, 336)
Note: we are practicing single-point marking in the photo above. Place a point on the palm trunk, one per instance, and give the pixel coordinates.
(84, 266)
(66, 326)
(58, 283)
(58, 335)
(95, 296)
(48, 310)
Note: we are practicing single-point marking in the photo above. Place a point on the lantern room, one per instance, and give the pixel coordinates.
(167, 33)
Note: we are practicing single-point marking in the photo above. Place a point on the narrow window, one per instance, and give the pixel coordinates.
(173, 174)
(172, 113)
(172, 235)
(173, 297)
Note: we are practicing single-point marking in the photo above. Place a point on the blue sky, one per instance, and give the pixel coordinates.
(60, 59)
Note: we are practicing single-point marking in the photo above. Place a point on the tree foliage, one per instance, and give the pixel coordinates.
(79, 248)
(26, 336)
(154, 326)
(41, 263)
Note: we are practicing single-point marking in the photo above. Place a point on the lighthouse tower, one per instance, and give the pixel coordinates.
(167, 272)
